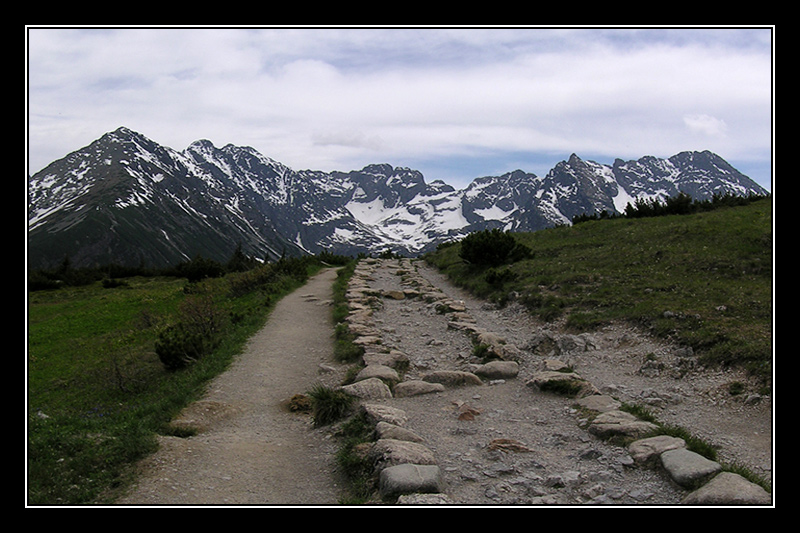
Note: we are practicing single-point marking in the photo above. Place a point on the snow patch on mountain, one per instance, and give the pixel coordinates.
(205, 199)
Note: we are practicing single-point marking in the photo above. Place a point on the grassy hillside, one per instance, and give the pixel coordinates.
(703, 280)
(98, 390)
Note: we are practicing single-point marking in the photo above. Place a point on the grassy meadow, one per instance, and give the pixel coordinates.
(99, 391)
(99, 394)
(704, 280)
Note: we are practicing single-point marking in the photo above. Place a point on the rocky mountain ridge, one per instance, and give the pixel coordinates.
(125, 199)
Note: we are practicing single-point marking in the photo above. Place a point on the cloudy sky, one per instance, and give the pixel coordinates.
(454, 103)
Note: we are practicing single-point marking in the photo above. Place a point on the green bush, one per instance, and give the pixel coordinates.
(178, 346)
(199, 268)
(196, 333)
(492, 248)
(497, 278)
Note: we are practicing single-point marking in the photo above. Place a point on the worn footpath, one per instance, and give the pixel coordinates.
(249, 449)
(450, 428)
(454, 429)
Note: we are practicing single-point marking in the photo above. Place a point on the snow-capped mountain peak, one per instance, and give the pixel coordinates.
(126, 199)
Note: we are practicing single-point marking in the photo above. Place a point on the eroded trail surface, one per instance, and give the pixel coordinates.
(250, 450)
(560, 462)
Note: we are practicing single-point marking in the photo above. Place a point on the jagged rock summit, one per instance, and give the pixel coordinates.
(125, 199)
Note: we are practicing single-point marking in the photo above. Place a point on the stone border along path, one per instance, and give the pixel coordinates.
(408, 470)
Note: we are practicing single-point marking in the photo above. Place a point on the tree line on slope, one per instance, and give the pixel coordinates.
(681, 204)
(195, 269)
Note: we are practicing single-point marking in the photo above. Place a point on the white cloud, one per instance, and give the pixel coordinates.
(705, 125)
(329, 98)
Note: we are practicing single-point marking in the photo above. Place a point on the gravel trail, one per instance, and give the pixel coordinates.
(564, 464)
(252, 451)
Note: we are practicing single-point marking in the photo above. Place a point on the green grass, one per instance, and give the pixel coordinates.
(354, 464)
(344, 350)
(98, 395)
(703, 280)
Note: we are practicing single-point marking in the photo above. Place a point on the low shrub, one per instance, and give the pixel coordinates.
(497, 278)
(196, 333)
(491, 248)
(199, 268)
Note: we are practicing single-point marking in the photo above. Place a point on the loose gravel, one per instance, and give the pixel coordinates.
(251, 450)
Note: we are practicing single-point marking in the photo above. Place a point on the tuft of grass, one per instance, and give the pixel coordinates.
(329, 405)
(344, 350)
(353, 462)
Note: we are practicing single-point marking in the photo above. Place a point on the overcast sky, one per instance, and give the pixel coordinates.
(454, 103)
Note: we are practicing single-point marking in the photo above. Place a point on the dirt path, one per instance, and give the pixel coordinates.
(565, 464)
(251, 450)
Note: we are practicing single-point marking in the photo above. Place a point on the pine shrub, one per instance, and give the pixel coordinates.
(492, 248)
(197, 332)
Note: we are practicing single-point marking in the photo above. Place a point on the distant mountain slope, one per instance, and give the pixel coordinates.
(126, 199)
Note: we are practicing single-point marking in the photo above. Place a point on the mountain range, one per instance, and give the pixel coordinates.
(127, 200)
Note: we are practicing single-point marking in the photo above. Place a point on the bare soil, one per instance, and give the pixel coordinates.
(251, 450)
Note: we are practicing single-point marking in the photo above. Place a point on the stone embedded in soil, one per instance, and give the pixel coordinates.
(687, 468)
(368, 389)
(392, 358)
(497, 370)
(375, 413)
(410, 478)
(508, 445)
(392, 452)
(550, 380)
(728, 488)
(395, 295)
(648, 451)
(385, 430)
(619, 423)
(453, 378)
(381, 372)
(600, 403)
(416, 388)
